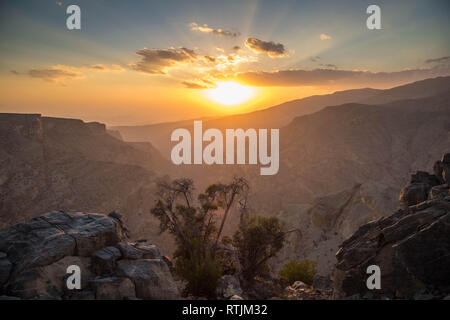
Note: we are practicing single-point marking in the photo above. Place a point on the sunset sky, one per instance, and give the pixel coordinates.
(141, 62)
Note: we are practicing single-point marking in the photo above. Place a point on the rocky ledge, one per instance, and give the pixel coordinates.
(34, 257)
(411, 247)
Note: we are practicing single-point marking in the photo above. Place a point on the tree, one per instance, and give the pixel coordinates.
(193, 224)
(257, 240)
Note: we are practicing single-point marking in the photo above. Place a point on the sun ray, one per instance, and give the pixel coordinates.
(230, 93)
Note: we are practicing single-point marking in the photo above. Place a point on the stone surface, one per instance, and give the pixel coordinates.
(138, 250)
(113, 288)
(229, 286)
(411, 247)
(151, 278)
(104, 260)
(35, 255)
(5, 268)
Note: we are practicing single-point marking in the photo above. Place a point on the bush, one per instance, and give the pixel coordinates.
(299, 271)
(201, 273)
(258, 239)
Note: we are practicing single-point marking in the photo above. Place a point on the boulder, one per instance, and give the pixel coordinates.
(151, 278)
(104, 260)
(138, 250)
(322, 283)
(414, 193)
(48, 282)
(48, 238)
(5, 268)
(35, 255)
(229, 286)
(411, 247)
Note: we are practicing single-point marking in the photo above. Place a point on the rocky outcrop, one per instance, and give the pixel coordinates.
(411, 246)
(66, 164)
(35, 256)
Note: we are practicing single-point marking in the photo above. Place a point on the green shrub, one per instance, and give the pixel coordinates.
(202, 274)
(299, 271)
(258, 239)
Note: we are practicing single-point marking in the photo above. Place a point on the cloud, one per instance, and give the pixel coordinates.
(272, 49)
(324, 36)
(315, 59)
(322, 77)
(328, 65)
(218, 32)
(156, 61)
(237, 49)
(59, 73)
(54, 74)
(439, 60)
(199, 84)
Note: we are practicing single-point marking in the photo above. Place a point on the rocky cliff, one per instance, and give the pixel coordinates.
(35, 255)
(67, 164)
(411, 246)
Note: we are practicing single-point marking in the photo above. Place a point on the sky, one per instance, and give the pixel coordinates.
(141, 62)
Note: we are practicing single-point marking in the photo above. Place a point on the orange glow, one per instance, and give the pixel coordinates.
(230, 93)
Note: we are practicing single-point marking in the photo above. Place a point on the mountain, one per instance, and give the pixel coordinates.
(411, 247)
(65, 164)
(281, 115)
(342, 167)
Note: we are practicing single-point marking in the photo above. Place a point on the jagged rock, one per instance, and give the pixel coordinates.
(113, 288)
(84, 294)
(48, 238)
(9, 298)
(322, 283)
(104, 260)
(229, 286)
(411, 247)
(138, 250)
(48, 282)
(151, 278)
(442, 168)
(35, 255)
(440, 192)
(5, 268)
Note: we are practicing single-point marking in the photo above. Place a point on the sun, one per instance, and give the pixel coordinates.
(230, 93)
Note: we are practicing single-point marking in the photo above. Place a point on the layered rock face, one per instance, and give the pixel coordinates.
(67, 164)
(411, 246)
(35, 255)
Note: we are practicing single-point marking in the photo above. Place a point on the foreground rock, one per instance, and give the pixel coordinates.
(34, 257)
(411, 247)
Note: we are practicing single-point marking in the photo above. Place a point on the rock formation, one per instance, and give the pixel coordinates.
(35, 255)
(411, 246)
(66, 164)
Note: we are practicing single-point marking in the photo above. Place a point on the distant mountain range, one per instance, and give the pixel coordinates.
(343, 159)
(281, 115)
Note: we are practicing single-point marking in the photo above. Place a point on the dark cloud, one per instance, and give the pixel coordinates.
(439, 60)
(199, 84)
(237, 48)
(320, 77)
(98, 67)
(272, 49)
(54, 74)
(218, 32)
(328, 65)
(315, 59)
(155, 61)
